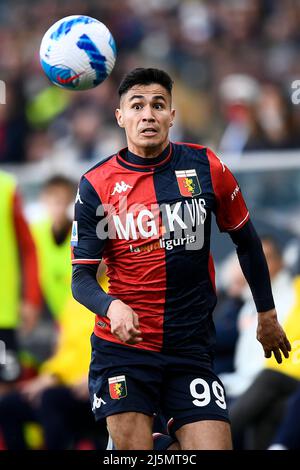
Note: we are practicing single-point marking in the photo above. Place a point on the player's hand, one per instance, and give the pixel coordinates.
(124, 322)
(80, 390)
(29, 315)
(33, 389)
(271, 335)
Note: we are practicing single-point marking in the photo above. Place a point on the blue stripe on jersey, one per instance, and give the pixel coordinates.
(190, 297)
(89, 246)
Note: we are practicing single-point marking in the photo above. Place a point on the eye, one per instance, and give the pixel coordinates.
(158, 106)
(137, 106)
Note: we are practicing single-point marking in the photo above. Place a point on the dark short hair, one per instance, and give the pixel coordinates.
(59, 180)
(142, 76)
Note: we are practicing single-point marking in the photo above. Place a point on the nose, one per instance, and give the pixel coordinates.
(147, 114)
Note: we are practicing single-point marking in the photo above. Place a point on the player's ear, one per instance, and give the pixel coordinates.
(119, 117)
(172, 117)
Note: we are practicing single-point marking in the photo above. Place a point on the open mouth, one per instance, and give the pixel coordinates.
(149, 131)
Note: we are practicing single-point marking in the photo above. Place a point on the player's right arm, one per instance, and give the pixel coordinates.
(233, 217)
(87, 251)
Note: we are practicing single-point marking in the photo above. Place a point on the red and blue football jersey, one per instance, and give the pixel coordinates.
(150, 221)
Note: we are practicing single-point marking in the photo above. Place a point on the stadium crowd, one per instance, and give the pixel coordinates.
(233, 63)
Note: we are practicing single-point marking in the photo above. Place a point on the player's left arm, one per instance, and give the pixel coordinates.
(233, 217)
(254, 266)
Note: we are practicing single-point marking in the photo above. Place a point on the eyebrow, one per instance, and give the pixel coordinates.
(156, 97)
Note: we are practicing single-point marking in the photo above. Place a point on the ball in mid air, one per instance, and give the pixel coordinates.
(77, 52)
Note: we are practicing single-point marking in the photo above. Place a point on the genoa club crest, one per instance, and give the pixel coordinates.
(188, 183)
(117, 387)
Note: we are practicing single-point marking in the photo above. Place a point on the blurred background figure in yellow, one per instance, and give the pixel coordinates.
(20, 298)
(259, 411)
(248, 358)
(51, 233)
(52, 238)
(58, 397)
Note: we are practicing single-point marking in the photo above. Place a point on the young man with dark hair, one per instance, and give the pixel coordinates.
(147, 212)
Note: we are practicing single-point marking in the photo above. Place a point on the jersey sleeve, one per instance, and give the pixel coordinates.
(86, 246)
(230, 208)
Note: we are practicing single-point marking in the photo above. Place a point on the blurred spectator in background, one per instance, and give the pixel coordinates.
(276, 119)
(239, 97)
(87, 138)
(226, 314)
(13, 123)
(52, 234)
(52, 237)
(288, 433)
(199, 43)
(20, 298)
(58, 397)
(258, 412)
(249, 356)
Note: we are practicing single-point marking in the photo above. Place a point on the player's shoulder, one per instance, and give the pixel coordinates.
(100, 173)
(203, 152)
(183, 145)
(93, 178)
(100, 166)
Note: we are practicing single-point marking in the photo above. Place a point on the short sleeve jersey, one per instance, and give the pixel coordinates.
(150, 221)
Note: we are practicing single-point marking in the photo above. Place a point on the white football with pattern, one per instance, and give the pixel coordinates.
(78, 52)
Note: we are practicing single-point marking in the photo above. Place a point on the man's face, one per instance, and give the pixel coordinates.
(146, 115)
(57, 200)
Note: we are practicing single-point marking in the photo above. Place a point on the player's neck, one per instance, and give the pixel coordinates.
(148, 152)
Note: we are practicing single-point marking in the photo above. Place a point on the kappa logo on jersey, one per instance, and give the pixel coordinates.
(78, 198)
(97, 402)
(117, 387)
(188, 183)
(121, 188)
(74, 236)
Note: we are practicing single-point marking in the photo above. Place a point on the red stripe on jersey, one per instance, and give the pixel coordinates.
(211, 271)
(82, 261)
(130, 260)
(231, 210)
(86, 261)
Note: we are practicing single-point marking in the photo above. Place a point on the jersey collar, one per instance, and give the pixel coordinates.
(134, 162)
